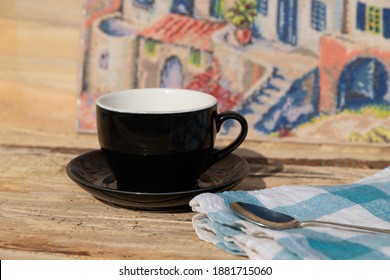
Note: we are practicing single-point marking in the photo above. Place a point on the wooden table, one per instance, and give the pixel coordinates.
(43, 214)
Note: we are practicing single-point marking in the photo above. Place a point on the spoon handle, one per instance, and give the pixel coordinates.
(321, 223)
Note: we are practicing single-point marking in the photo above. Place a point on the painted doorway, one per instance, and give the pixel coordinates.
(172, 73)
(287, 21)
(363, 81)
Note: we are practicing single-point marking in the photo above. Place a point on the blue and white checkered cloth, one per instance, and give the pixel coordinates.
(366, 202)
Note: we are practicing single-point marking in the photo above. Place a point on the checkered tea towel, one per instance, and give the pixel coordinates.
(366, 202)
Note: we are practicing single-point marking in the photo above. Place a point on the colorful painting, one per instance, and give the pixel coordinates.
(304, 70)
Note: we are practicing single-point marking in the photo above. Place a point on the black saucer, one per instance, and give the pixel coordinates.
(91, 172)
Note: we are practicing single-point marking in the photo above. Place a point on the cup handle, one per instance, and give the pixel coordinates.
(221, 118)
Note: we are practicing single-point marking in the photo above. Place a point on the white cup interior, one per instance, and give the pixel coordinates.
(156, 101)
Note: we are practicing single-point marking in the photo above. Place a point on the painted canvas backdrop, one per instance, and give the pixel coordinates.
(310, 70)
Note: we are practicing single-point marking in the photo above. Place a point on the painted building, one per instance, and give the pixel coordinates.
(174, 39)
(307, 57)
(297, 22)
(355, 67)
(159, 58)
(113, 44)
(173, 50)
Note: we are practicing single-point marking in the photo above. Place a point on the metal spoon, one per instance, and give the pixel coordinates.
(272, 219)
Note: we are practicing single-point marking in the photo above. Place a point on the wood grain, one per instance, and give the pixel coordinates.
(44, 215)
(43, 211)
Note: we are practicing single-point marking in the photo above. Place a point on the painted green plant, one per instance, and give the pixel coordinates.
(375, 135)
(380, 111)
(242, 14)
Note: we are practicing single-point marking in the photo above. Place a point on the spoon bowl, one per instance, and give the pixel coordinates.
(268, 218)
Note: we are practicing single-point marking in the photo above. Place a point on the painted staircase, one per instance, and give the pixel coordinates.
(263, 99)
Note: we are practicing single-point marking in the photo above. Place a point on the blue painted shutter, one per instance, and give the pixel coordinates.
(386, 23)
(318, 15)
(287, 21)
(361, 16)
(216, 8)
(262, 7)
(293, 18)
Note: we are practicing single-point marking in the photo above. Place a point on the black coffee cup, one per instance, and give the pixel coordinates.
(161, 140)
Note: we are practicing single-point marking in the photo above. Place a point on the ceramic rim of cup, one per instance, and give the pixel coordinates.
(156, 101)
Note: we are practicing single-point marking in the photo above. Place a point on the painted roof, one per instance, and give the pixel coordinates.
(210, 82)
(183, 30)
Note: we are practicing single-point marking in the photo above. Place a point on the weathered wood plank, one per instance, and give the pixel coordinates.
(43, 212)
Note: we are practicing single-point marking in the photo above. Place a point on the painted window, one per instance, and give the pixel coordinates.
(217, 8)
(262, 7)
(146, 4)
(374, 19)
(318, 15)
(195, 57)
(104, 59)
(183, 7)
(150, 47)
(287, 21)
